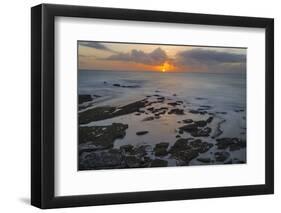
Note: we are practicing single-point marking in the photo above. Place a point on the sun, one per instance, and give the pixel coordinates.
(165, 67)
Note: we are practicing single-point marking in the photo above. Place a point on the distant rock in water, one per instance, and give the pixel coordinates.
(126, 86)
(141, 132)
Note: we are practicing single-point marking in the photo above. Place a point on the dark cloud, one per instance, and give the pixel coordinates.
(156, 57)
(212, 60)
(95, 45)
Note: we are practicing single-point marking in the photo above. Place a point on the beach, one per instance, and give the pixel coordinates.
(150, 119)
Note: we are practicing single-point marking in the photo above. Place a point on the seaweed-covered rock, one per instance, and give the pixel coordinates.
(132, 161)
(159, 163)
(160, 149)
(179, 145)
(185, 156)
(205, 132)
(195, 130)
(127, 148)
(182, 151)
(101, 160)
(189, 128)
(105, 112)
(200, 146)
(231, 143)
(186, 149)
(102, 136)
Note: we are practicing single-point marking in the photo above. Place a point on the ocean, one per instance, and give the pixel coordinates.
(223, 96)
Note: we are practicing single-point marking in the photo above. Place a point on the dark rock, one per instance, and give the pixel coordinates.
(205, 132)
(187, 121)
(130, 86)
(186, 149)
(102, 136)
(182, 151)
(150, 108)
(105, 112)
(222, 113)
(132, 161)
(110, 159)
(201, 123)
(176, 111)
(195, 131)
(180, 144)
(173, 104)
(193, 111)
(189, 128)
(88, 147)
(210, 119)
(127, 148)
(148, 118)
(178, 136)
(221, 156)
(186, 155)
(200, 146)
(228, 161)
(159, 163)
(231, 143)
(141, 132)
(116, 85)
(84, 98)
(200, 98)
(161, 98)
(203, 112)
(204, 160)
(160, 149)
(205, 107)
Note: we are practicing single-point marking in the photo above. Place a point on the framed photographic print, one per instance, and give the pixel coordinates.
(139, 106)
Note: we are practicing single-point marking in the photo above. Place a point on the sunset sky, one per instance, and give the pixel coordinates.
(163, 58)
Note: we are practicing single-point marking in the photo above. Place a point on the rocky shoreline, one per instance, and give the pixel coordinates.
(197, 140)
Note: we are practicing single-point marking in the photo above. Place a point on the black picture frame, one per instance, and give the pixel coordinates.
(43, 102)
